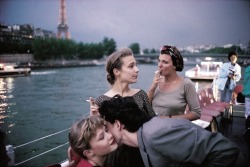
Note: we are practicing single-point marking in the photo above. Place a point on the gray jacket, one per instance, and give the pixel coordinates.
(171, 142)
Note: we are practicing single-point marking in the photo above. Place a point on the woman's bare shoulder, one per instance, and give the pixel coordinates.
(134, 91)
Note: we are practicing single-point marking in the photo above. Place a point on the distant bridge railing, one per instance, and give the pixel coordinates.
(156, 55)
(192, 57)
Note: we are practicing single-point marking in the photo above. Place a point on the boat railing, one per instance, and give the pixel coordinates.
(11, 149)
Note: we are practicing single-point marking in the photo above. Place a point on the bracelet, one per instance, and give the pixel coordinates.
(170, 116)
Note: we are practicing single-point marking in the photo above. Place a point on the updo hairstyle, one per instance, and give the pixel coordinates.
(175, 55)
(114, 61)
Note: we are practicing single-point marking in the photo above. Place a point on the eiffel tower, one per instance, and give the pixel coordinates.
(62, 26)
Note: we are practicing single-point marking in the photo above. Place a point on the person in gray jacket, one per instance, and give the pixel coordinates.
(166, 141)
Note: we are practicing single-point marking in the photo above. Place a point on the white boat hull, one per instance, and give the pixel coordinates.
(206, 71)
(9, 70)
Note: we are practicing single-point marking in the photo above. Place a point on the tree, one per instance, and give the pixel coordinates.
(145, 51)
(90, 51)
(153, 51)
(135, 47)
(109, 45)
(248, 49)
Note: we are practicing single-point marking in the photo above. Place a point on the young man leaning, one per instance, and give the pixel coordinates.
(166, 141)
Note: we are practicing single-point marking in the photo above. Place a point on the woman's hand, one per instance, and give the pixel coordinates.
(94, 109)
(157, 79)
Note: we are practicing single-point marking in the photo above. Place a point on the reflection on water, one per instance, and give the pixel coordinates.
(6, 88)
(43, 103)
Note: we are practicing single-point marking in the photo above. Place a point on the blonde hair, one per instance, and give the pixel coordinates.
(114, 61)
(81, 133)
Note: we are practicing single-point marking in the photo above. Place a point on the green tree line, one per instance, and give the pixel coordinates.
(52, 48)
(58, 49)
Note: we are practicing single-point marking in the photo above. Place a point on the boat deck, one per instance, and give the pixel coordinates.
(234, 130)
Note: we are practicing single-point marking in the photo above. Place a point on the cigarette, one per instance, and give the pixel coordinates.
(88, 101)
(156, 71)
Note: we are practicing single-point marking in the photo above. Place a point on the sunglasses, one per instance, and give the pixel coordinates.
(168, 49)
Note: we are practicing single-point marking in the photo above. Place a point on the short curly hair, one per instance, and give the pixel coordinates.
(231, 54)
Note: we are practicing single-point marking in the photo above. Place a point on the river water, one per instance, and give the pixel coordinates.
(49, 101)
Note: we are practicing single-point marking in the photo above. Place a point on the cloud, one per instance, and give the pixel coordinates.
(150, 23)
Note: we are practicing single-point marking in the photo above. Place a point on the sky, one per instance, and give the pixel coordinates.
(151, 23)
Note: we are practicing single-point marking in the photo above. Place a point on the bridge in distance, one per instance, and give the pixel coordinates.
(194, 58)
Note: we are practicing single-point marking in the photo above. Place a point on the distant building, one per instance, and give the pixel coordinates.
(5, 31)
(39, 33)
(24, 33)
(18, 38)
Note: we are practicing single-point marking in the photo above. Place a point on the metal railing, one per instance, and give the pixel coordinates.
(11, 153)
(10, 149)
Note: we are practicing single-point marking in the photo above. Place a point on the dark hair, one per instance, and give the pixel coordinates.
(175, 55)
(125, 110)
(114, 61)
(231, 54)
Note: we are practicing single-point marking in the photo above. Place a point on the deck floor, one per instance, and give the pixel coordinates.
(234, 129)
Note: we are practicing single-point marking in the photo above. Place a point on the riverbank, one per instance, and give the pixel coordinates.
(28, 61)
(16, 58)
(58, 64)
